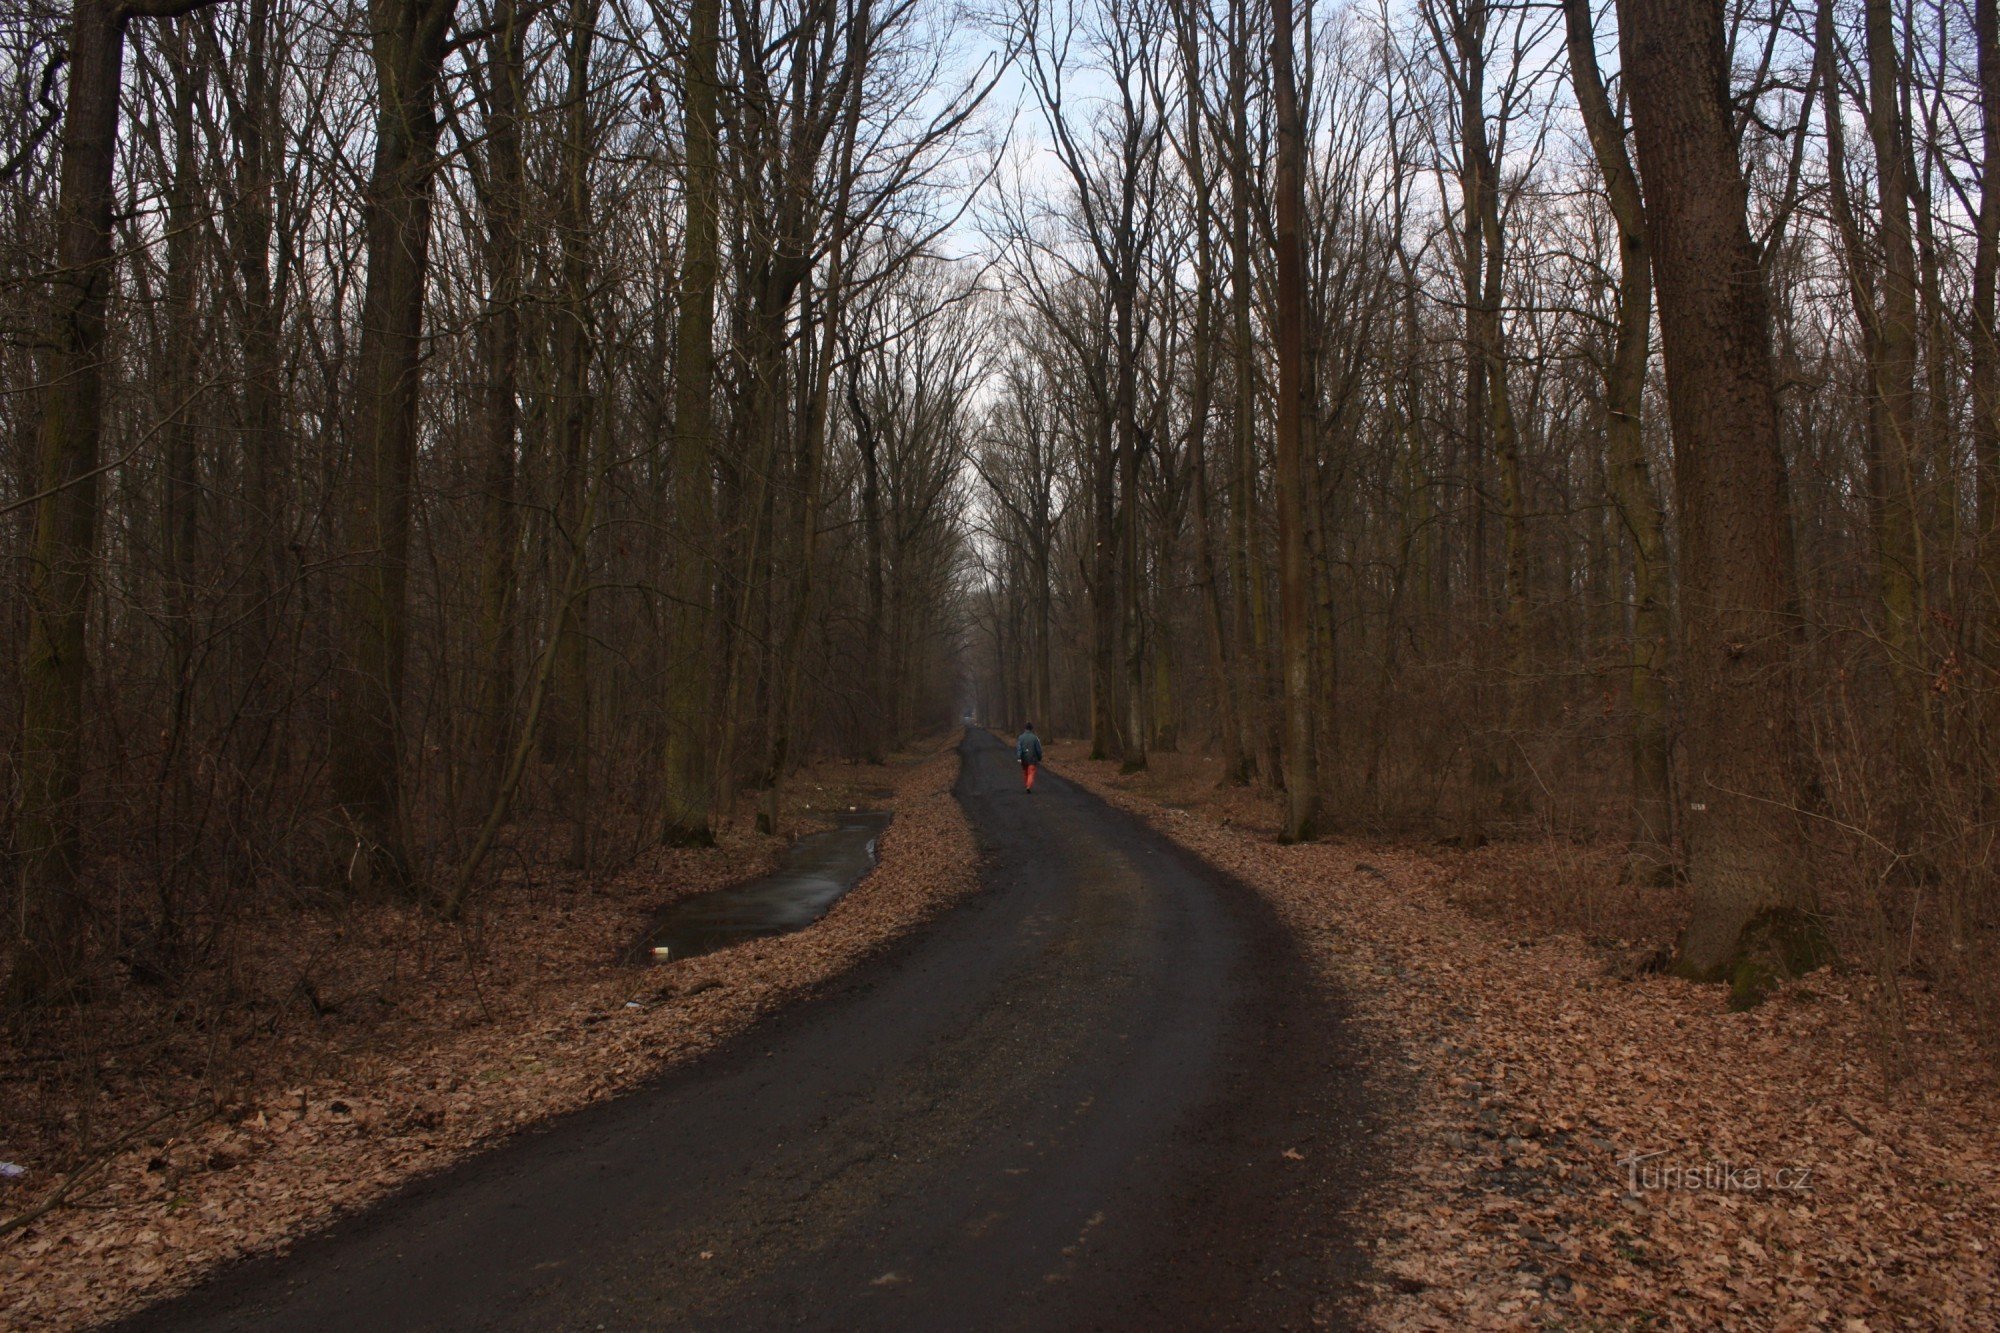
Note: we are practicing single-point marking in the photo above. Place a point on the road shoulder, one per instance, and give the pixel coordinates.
(273, 1164)
(1530, 1071)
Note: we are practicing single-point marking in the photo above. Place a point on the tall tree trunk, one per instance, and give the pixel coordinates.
(1744, 842)
(500, 356)
(451, 900)
(1985, 332)
(1513, 512)
(757, 424)
(1245, 568)
(874, 658)
(1894, 365)
(256, 128)
(566, 733)
(1649, 856)
(1131, 515)
(1295, 629)
(181, 508)
(1227, 732)
(1201, 391)
(812, 436)
(49, 920)
(1939, 511)
(1489, 414)
(761, 421)
(1882, 286)
(1104, 567)
(408, 40)
(1472, 281)
(687, 760)
(1041, 595)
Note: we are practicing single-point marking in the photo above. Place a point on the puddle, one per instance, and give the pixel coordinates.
(813, 874)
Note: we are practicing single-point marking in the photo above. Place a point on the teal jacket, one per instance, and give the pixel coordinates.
(1029, 748)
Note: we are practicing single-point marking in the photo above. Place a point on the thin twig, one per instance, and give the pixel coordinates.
(89, 1166)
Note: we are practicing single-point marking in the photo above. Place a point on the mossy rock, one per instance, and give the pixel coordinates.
(1750, 983)
(1779, 945)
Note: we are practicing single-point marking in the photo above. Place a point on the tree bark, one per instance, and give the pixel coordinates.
(1246, 576)
(1985, 332)
(49, 920)
(687, 759)
(500, 355)
(257, 129)
(809, 465)
(1649, 853)
(1129, 590)
(566, 734)
(874, 661)
(408, 40)
(181, 508)
(1201, 391)
(1295, 629)
(1894, 365)
(1104, 565)
(1744, 842)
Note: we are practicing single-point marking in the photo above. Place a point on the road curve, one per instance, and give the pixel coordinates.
(1101, 1094)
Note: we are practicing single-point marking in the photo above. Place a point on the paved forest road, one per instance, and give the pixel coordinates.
(1066, 1105)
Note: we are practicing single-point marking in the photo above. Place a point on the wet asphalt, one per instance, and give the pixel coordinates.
(1102, 1093)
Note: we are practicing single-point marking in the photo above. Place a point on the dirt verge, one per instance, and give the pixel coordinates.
(1588, 1143)
(545, 1022)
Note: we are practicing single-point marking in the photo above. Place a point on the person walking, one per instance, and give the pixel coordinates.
(1028, 750)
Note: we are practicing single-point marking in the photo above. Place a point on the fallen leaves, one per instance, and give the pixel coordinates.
(547, 1024)
(1528, 1070)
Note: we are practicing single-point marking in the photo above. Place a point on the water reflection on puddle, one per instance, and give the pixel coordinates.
(813, 874)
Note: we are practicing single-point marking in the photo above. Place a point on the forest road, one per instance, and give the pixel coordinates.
(1102, 1093)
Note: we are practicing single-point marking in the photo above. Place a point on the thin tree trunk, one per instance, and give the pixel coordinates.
(1649, 856)
(1104, 593)
(687, 760)
(408, 39)
(566, 733)
(1895, 364)
(874, 661)
(1295, 629)
(1129, 592)
(1985, 331)
(1040, 596)
(452, 901)
(1882, 287)
(1245, 569)
(1489, 413)
(1201, 390)
(181, 510)
(256, 127)
(812, 449)
(500, 354)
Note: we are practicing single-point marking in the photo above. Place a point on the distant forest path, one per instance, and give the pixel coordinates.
(1103, 1093)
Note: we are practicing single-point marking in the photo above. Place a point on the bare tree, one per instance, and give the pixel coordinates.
(1738, 592)
(48, 922)
(1650, 856)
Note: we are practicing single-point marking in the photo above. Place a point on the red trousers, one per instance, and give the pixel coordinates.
(1028, 775)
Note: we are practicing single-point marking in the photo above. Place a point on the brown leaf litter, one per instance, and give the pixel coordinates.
(420, 1049)
(1582, 1142)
